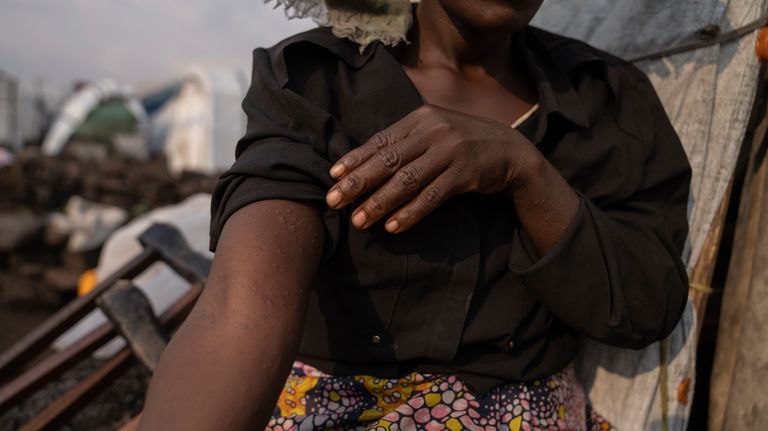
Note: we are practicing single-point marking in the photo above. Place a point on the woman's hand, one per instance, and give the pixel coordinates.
(422, 160)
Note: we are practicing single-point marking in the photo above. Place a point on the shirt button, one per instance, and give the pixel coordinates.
(376, 339)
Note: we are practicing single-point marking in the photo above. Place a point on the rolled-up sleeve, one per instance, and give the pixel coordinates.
(276, 158)
(616, 274)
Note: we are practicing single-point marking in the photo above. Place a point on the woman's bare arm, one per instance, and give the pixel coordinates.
(225, 367)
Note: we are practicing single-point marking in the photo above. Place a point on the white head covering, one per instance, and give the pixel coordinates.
(362, 21)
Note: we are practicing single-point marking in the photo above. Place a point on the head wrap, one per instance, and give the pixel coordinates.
(362, 21)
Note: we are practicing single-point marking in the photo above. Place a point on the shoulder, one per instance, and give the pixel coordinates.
(603, 81)
(313, 51)
(608, 86)
(574, 57)
(320, 39)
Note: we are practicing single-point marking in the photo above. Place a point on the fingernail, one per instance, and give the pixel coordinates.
(333, 199)
(337, 170)
(392, 226)
(359, 219)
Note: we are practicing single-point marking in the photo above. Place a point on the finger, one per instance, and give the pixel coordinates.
(429, 199)
(375, 171)
(392, 134)
(353, 159)
(402, 187)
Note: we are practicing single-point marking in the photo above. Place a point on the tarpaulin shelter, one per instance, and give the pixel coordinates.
(98, 111)
(111, 117)
(708, 91)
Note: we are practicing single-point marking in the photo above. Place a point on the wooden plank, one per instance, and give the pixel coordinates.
(12, 360)
(702, 273)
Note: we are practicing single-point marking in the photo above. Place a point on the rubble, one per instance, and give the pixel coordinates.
(17, 229)
(46, 183)
(6, 157)
(57, 211)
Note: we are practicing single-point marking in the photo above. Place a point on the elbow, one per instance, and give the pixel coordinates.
(670, 310)
(652, 319)
(653, 329)
(628, 335)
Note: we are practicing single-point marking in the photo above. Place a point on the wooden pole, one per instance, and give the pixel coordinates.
(739, 379)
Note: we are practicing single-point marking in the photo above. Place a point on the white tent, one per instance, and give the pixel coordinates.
(24, 108)
(8, 110)
(38, 101)
(202, 124)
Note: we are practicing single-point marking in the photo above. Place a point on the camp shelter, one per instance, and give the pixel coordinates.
(110, 117)
(100, 112)
(708, 85)
(154, 98)
(197, 120)
(8, 110)
(25, 107)
(38, 102)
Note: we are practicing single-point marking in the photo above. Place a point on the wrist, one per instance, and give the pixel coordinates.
(530, 167)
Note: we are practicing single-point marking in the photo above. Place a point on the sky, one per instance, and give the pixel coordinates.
(133, 41)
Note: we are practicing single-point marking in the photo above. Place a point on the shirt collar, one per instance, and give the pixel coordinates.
(551, 60)
(322, 37)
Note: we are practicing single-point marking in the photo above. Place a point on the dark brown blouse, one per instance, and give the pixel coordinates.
(464, 292)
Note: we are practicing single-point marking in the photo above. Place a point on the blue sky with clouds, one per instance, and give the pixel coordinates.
(133, 41)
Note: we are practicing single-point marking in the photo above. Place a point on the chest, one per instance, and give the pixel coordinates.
(502, 99)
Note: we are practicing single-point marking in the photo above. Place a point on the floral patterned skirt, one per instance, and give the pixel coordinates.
(314, 400)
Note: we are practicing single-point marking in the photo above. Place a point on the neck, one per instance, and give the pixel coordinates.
(440, 40)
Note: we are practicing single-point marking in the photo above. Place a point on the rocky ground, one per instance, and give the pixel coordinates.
(39, 273)
(115, 406)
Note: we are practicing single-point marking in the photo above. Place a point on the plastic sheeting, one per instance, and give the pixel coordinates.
(708, 94)
(88, 224)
